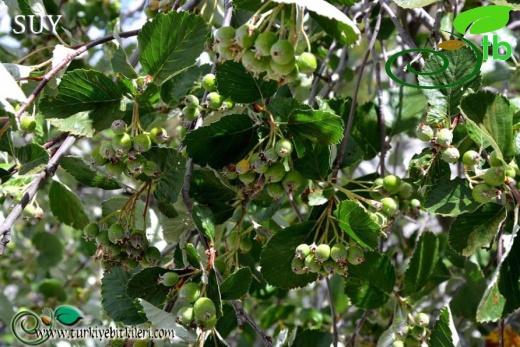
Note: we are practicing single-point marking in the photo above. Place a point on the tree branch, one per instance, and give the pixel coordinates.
(49, 170)
(333, 314)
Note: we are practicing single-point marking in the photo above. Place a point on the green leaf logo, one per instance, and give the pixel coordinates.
(67, 315)
(482, 19)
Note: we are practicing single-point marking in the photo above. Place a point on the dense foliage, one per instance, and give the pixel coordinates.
(246, 172)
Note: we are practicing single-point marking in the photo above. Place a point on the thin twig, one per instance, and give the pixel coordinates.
(424, 17)
(48, 171)
(402, 33)
(358, 328)
(190, 5)
(333, 314)
(350, 121)
(294, 206)
(323, 67)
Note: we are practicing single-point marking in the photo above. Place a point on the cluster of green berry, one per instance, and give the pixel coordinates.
(265, 169)
(123, 153)
(415, 334)
(119, 247)
(325, 260)
(443, 139)
(262, 52)
(394, 194)
(199, 311)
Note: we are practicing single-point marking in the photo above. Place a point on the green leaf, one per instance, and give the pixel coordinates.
(206, 187)
(171, 43)
(482, 19)
(170, 181)
(66, 206)
(213, 291)
(331, 19)
(444, 333)
(234, 82)
(82, 90)
(33, 158)
(173, 228)
(116, 302)
(225, 141)
(493, 116)
(407, 105)
(116, 203)
(50, 249)
(77, 167)
(121, 65)
(236, 285)
(414, 3)
(356, 222)
(366, 131)
(313, 338)
(446, 101)
(370, 283)
(145, 285)
(422, 264)
(79, 124)
(427, 170)
(320, 127)
(164, 320)
(281, 108)
(203, 218)
(67, 315)
(468, 296)
(471, 231)
(177, 87)
(316, 164)
(278, 253)
(451, 198)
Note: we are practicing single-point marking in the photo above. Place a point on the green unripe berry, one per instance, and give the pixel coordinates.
(418, 332)
(292, 180)
(302, 251)
(191, 113)
(389, 206)
(415, 203)
(264, 42)
(204, 309)
(270, 155)
(258, 165)
(191, 101)
(122, 143)
(118, 127)
(153, 255)
(209, 82)
(470, 158)
(450, 155)
(298, 266)
(338, 253)
(392, 184)
(97, 157)
(510, 171)
(406, 190)
(330, 267)
(495, 176)
(138, 239)
(282, 52)
(142, 143)
(493, 159)
(246, 245)
(322, 253)
(245, 36)
(482, 193)
(355, 255)
(102, 238)
(283, 148)
(116, 234)
(282, 69)
(227, 104)
(225, 36)
(91, 231)
(151, 169)
(247, 177)
(248, 60)
(275, 173)
(398, 343)
(311, 264)
(209, 324)
(424, 132)
(106, 150)
(411, 341)
(307, 63)
(28, 124)
(214, 100)
(275, 190)
(169, 279)
(136, 166)
(422, 319)
(185, 315)
(115, 169)
(189, 292)
(225, 53)
(158, 135)
(444, 137)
